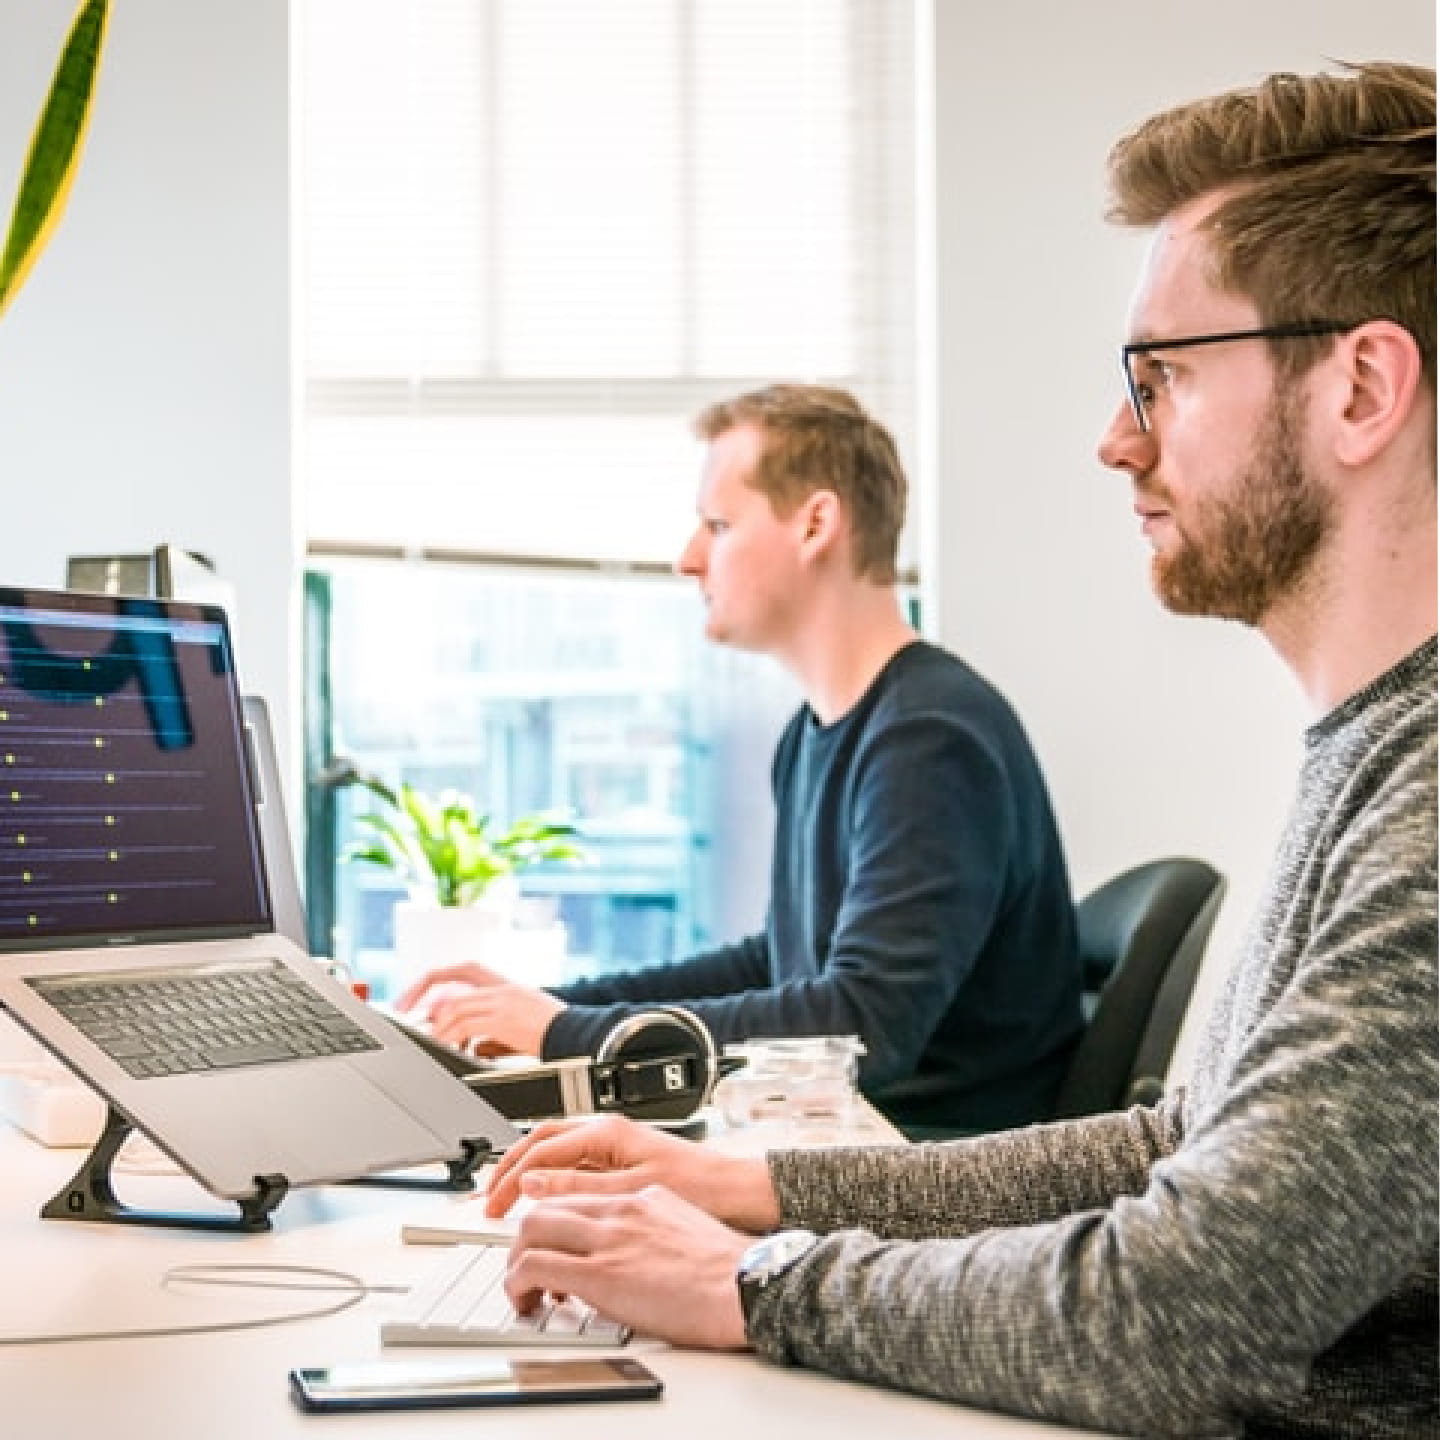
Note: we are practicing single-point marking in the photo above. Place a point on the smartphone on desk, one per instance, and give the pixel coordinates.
(422, 1385)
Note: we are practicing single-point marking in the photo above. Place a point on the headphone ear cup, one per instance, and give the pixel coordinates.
(661, 1038)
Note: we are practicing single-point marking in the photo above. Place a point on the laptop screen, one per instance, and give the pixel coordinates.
(125, 801)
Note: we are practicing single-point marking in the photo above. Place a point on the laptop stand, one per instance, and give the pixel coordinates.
(91, 1196)
(459, 1173)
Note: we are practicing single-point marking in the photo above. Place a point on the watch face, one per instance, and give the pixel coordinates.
(773, 1255)
(764, 1261)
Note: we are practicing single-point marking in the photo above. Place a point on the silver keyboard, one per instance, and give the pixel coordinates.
(206, 1017)
(462, 1301)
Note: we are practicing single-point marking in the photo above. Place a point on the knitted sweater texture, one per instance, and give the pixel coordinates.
(1256, 1254)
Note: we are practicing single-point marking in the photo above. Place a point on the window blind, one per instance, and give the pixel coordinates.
(535, 236)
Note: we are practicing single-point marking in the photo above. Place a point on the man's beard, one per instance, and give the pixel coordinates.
(1239, 554)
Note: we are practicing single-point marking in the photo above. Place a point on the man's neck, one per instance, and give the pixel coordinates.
(1367, 607)
(844, 645)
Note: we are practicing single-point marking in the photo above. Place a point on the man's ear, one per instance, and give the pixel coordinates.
(820, 519)
(1382, 376)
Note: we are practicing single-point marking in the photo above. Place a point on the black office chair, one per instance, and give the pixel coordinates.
(1142, 936)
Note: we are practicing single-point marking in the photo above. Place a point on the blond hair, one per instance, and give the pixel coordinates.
(820, 438)
(1331, 207)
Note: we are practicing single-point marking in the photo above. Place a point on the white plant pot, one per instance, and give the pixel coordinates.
(428, 936)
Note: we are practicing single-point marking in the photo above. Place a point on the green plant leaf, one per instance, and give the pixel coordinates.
(387, 834)
(373, 855)
(54, 148)
(443, 842)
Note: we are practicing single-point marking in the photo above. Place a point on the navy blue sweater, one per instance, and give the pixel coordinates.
(919, 900)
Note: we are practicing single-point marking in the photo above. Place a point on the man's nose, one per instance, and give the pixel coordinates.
(1124, 445)
(689, 561)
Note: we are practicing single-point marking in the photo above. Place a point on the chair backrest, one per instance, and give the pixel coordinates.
(1142, 936)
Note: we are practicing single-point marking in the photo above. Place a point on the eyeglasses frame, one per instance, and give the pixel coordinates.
(1294, 330)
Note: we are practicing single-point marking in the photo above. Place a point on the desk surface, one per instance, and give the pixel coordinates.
(58, 1277)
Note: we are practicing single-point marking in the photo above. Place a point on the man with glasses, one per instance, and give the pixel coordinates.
(1256, 1253)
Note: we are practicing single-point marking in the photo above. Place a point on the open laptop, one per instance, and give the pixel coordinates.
(277, 855)
(132, 874)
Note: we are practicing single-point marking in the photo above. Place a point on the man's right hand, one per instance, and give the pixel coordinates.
(473, 1008)
(616, 1156)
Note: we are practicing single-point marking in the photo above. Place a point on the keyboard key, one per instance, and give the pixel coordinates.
(462, 1301)
(250, 1054)
(174, 1022)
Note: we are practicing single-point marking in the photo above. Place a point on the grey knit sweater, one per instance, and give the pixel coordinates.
(1256, 1254)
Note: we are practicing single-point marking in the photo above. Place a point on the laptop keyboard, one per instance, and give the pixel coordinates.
(215, 1017)
(462, 1301)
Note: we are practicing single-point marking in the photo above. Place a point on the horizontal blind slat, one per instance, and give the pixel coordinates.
(521, 211)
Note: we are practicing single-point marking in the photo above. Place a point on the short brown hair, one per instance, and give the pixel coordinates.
(1332, 210)
(821, 438)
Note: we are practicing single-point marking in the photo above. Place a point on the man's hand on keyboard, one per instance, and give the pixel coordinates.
(468, 1005)
(613, 1156)
(649, 1260)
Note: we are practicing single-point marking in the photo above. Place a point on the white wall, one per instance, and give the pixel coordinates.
(144, 369)
(1160, 735)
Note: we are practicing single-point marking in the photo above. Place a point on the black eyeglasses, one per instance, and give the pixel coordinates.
(1139, 393)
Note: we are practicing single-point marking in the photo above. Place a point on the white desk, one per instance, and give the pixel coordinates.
(63, 1277)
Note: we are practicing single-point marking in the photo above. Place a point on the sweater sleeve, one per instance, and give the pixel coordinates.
(1038, 1173)
(594, 1007)
(1302, 1195)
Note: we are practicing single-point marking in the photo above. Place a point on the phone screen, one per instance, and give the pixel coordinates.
(403, 1385)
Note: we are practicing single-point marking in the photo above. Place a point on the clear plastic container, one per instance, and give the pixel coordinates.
(806, 1080)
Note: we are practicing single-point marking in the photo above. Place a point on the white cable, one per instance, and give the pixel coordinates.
(220, 1275)
(353, 1290)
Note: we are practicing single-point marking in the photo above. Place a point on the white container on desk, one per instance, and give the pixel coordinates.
(428, 936)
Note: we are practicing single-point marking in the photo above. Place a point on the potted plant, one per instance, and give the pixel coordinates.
(460, 871)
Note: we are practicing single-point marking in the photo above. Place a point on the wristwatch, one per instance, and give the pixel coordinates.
(766, 1260)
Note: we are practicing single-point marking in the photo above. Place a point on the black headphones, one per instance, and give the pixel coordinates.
(658, 1064)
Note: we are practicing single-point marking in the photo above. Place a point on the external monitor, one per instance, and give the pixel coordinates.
(111, 574)
(182, 574)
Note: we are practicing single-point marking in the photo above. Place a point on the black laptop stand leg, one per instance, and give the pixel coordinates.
(91, 1196)
(459, 1173)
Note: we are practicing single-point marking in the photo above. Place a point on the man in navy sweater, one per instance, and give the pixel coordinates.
(919, 896)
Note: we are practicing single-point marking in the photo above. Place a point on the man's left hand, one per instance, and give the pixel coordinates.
(650, 1260)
